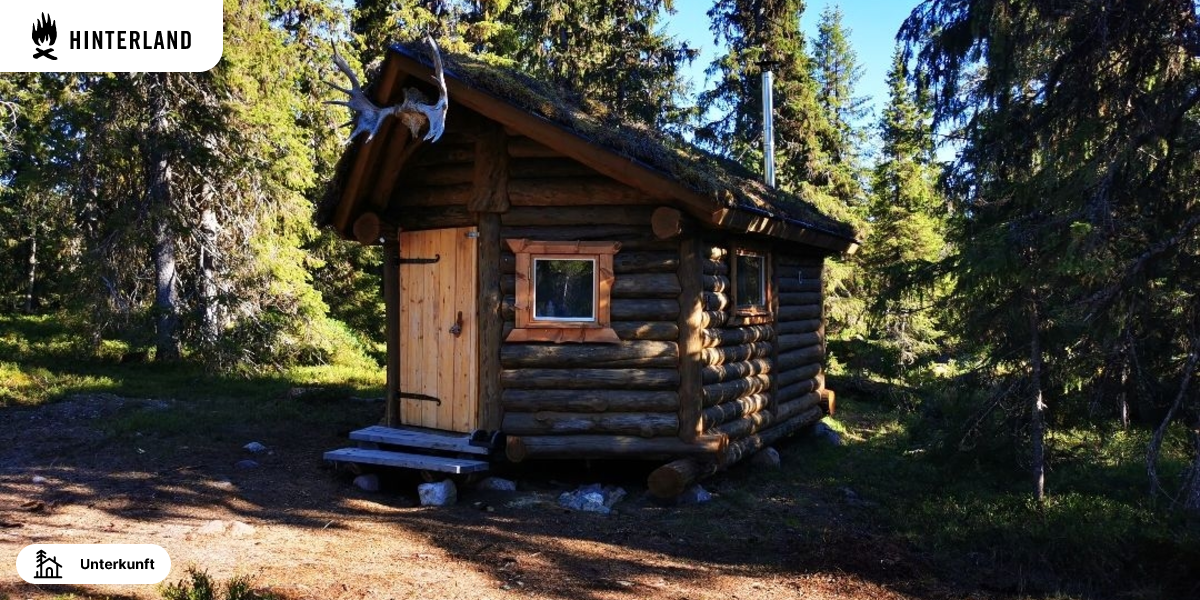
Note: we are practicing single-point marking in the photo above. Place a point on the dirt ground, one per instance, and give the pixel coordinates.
(303, 532)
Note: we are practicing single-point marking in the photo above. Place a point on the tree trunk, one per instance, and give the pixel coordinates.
(1191, 490)
(210, 304)
(162, 208)
(1038, 414)
(32, 279)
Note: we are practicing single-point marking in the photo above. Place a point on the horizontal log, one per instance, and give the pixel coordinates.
(791, 285)
(748, 445)
(439, 154)
(566, 216)
(621, 309)
(589, 400)
(646, 331)
(800, 298)
(440, 175)
(589, 379)
(596, 356)
(714, 267)
(797, 390)
(786, 377)
(735, 409)
(712, 337)
(520, 146)
(796, 260)
(713, 318)
(579, 190)
(752, 424)
(521, 448)
(671, 479)
(442, 195)
(646, 285)
(625, 285)
(738, 370)
(716, 301)
(805, 326)
(800, 358)
(717, 393)
(572, 233)
(541, 168)
(434, 217)
(798, 273)
(715, 283)
(645, 262)
(794, 341)
(646, 425)
(626, 261)
(799, 313)
(713, 251)
(730, 354)
(662, 331)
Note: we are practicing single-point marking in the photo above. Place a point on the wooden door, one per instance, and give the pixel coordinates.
(437, 345)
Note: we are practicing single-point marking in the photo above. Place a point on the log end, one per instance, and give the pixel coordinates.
(828, 402)
(515, 449)
(666, 223)
(673, 478)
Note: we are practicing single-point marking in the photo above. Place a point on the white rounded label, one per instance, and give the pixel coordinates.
(111, 36)
(93, 563)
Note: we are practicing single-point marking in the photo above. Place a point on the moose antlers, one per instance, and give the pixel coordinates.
(413, 112)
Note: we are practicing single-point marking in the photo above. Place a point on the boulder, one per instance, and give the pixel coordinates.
(497, 484)
(254, 447)
(442, 493)
(367, 483)
(694, 495)
(766, 458)
(823, 432)
(246, 464)
(592, 498)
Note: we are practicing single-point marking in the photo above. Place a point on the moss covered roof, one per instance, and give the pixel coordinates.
(724, 181)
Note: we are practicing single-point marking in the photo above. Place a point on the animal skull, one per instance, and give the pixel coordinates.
(413, 112)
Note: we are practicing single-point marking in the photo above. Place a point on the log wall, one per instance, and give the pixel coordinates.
(759, 376)
(628, 390)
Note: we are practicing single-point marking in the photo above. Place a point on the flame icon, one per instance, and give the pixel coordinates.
(45, 32)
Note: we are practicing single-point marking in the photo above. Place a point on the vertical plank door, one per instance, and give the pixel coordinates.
(434, 361)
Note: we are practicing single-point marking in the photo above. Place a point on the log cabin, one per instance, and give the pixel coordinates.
(561, 285)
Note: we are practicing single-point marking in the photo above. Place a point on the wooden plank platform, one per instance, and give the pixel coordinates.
(405, 460)
(417, 437)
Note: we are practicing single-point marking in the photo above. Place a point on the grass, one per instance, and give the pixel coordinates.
(976, 521)
(199, 586)
(45, 360)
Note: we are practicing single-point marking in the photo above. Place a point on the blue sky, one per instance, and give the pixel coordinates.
(872, 24)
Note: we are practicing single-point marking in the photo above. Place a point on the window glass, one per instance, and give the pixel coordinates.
(564, 289)
(751, 281)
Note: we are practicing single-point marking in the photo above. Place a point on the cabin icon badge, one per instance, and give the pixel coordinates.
(47, 566)
(45, 33)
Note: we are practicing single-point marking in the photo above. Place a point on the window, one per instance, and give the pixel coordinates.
(751, 297)
(563, 291)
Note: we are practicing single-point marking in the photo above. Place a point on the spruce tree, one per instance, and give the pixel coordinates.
(1076, 186)
(909, 222)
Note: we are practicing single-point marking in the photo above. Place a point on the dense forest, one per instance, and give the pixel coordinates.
(1044, 278)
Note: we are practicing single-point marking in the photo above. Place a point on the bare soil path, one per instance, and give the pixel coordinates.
(77, 471)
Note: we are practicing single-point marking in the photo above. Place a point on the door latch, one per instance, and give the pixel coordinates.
(456, 329)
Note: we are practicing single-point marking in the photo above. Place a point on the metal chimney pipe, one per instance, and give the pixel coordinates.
(768, 103)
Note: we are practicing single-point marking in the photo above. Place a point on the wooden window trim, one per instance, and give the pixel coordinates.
(529, 329)
(757, 314)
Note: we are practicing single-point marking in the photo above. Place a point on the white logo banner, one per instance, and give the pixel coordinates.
(93, 563)
(110, 35)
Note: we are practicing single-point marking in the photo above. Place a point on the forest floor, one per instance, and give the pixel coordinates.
(110, 469)
(107, 474)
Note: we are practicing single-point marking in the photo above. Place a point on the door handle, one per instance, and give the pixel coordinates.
(456, 329)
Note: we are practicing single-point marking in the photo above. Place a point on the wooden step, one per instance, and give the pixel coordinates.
(405, 460)
(417, 437)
